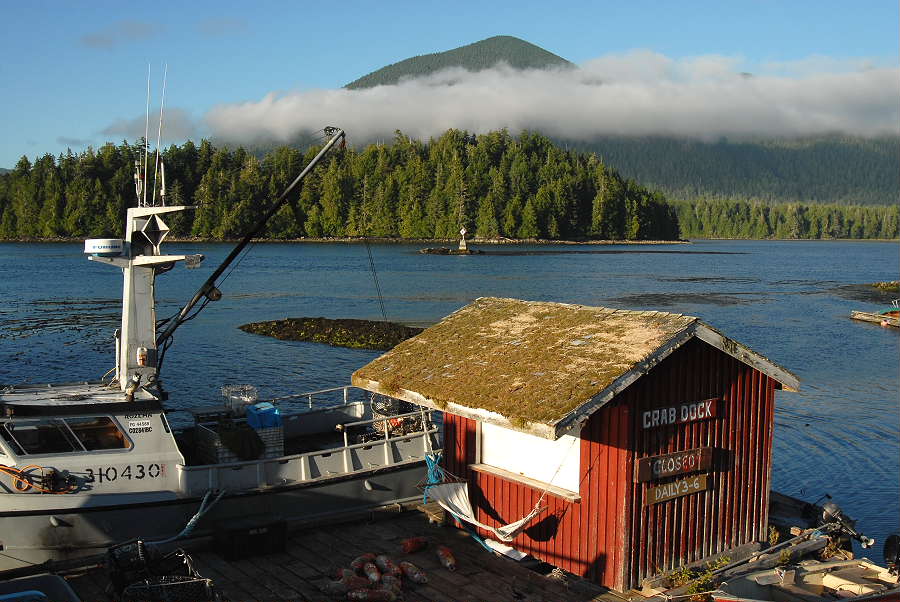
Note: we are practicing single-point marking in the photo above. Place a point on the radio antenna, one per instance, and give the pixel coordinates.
(159, 132)
(142, 202)
(162, 187)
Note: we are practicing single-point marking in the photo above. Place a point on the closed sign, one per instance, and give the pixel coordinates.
(689, 460)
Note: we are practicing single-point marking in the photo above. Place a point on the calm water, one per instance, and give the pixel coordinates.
(783, 299)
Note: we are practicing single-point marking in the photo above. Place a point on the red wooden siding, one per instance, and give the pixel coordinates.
(610, 536)
(734, 510)
(583, 537)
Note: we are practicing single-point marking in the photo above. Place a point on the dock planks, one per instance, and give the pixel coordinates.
(313, 555)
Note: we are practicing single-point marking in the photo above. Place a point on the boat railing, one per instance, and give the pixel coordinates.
(310, 395)
(389, 449)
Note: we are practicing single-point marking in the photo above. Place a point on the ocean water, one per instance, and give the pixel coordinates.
(788, 300)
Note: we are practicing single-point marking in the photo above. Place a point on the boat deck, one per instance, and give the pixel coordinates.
(311, 556)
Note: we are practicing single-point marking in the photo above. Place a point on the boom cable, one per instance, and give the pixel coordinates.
(208, 290)
(375, 278)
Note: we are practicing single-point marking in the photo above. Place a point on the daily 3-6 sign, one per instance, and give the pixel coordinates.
(675, 489)
(685, 412)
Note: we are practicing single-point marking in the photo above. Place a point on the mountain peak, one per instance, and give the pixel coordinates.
(478, 56)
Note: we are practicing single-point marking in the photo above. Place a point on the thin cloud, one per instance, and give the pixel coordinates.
(121, 32)
(638, 93)
(178, 125)
(73, 142)
(817, 63)
(221, 26)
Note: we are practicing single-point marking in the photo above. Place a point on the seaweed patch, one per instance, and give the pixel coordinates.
(355, 334)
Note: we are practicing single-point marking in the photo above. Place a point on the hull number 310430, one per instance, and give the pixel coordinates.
(106, 474)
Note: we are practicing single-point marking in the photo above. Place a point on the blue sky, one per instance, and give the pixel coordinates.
(75, 73)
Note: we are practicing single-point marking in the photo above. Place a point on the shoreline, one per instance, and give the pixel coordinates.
(377, 240)
(455, 241)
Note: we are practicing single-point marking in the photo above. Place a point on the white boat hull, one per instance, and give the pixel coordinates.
(55, 531)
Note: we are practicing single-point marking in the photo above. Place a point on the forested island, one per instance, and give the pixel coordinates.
(494, 185)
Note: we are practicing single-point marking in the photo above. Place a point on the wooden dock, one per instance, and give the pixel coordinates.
(312, 556)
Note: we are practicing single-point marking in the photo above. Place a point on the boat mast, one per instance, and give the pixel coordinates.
(143, 201)
(158, 159)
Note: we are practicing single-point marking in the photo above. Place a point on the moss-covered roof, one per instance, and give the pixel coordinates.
(527, 361)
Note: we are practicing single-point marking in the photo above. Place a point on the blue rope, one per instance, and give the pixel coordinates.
(474, 535)
(437, 475)
(205, 506)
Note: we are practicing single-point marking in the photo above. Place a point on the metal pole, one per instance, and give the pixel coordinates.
(143, 202)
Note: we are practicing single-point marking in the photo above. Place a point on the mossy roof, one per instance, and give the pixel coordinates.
(531, 366)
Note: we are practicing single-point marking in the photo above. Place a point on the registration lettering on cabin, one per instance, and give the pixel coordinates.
(685, 412)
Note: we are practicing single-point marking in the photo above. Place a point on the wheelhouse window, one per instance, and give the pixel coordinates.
(98, 432)
(63, 435)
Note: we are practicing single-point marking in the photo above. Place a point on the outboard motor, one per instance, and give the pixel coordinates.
(832, 513)
(892, 552)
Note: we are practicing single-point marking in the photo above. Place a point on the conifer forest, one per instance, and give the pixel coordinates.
(494, 185)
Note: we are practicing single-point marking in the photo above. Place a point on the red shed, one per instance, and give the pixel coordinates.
(648, 434)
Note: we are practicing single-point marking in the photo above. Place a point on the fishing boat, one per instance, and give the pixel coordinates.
(86, 465)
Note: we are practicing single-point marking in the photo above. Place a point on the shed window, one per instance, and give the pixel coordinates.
(552, 462)
(63, 435)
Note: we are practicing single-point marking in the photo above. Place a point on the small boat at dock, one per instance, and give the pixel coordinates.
(888, 317)
(814, 581)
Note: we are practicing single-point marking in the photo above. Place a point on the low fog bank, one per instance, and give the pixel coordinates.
(640, 93)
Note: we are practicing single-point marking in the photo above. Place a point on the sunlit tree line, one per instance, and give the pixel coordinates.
(493, 185)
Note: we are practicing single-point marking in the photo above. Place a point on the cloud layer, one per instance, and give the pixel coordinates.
(121, 32)
(177, 125)
(638, 93)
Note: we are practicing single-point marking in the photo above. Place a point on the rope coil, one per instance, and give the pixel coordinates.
(24, 481)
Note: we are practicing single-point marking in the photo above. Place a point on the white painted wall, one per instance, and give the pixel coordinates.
(533, 457)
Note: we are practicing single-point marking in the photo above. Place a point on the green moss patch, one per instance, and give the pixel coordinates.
(356, 334)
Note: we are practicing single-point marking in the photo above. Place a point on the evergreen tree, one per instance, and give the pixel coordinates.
(529, 225)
